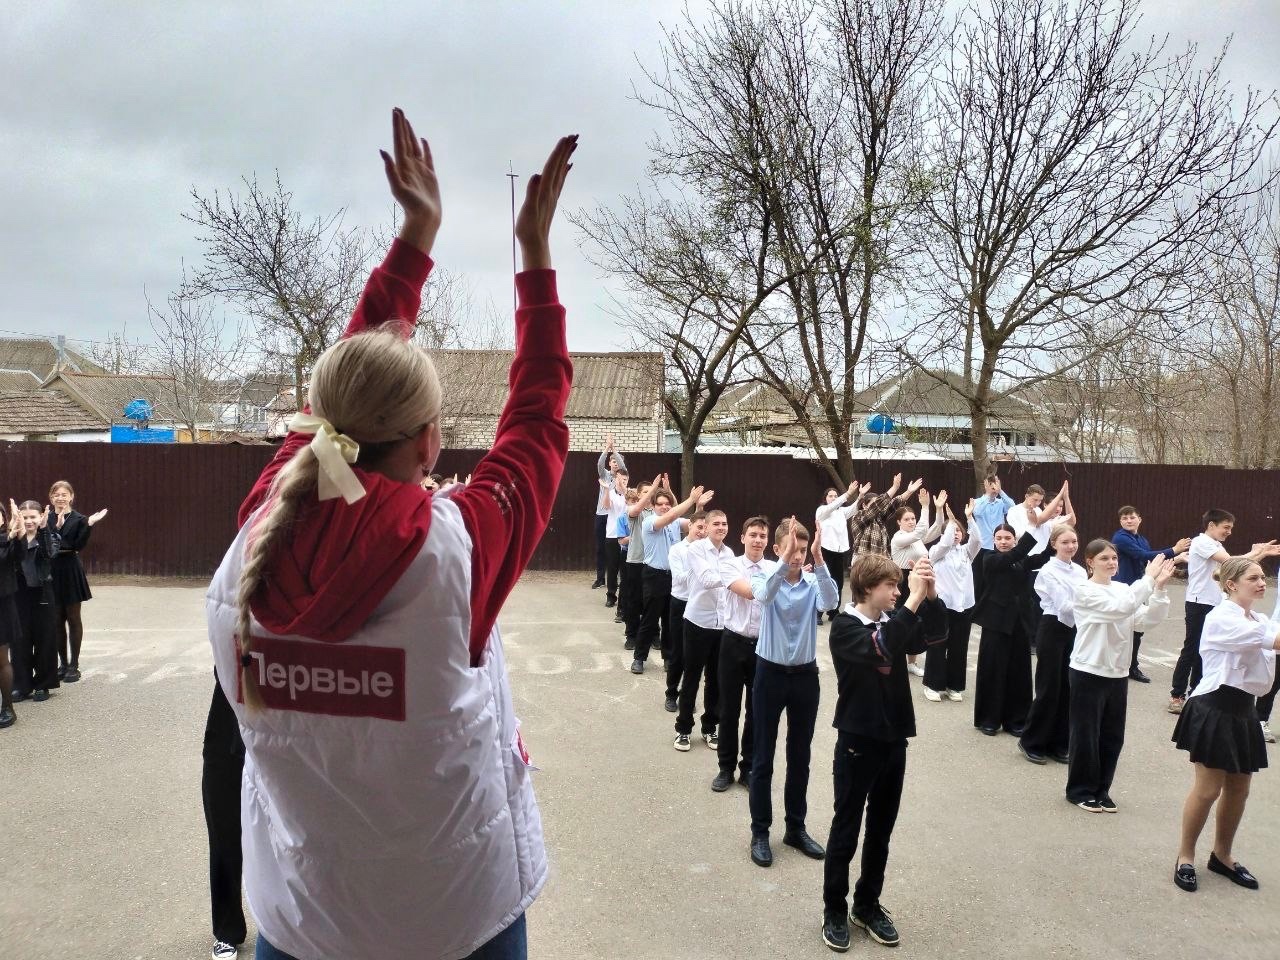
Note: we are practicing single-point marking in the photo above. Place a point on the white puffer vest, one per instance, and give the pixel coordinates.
(386, 806)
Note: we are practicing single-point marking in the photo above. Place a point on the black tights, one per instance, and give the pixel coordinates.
(6, 678)
(70, 627)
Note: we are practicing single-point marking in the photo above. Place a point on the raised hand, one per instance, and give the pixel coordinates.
(924, 497)
(853, 490)
(1154, 566)
(1165, 573)
(44, 518)
(815, 545)
(1182, 546)
(94, 518)
(862, 490)
(940, 500)
(920, 580)
(533, 223)
(968, 509)
(411, 174)
(703, 500)
(696, 495)
(915, 485)
(788, 539)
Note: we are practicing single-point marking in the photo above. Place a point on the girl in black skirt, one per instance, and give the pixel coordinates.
(10, 629)
(35, 657)
(1219, 725)
(70, 586)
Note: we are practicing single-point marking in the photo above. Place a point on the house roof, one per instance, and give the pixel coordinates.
(606, 386)
(258, 390)
(44, 411)
(39, 356)
(18, 380)
(937, 393)
(107, 394)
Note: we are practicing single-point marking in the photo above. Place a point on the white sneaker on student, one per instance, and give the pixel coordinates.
(916, 669)
(955, 696)
(225, 951)
(1267, 735)
(932, 695)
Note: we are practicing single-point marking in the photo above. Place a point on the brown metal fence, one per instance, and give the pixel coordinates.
(173, 507)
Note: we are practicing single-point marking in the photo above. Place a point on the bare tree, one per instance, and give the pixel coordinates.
(298, 279)
(117, 354)
(1078, 174)
(198, 356)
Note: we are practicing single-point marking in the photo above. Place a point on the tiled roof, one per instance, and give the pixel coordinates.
(39, 356)
(15, 380)
(107, 394)
(606, 386)
(28, 412)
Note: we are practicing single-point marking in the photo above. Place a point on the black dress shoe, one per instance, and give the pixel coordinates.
(40, 696)
(1033, 755)
(1017, 729)
(722, 782)
(761, 855)
(1236, 873)
(73, 675)
(610, 603)
(801, 840)
(990, 731)
(20, 695)
(629, 645)
(6, 718)
(1061, 757)
(1184, 875)
(637, 666)
(671, 706)
(744, 779)
(1137, 674)
(597, 585)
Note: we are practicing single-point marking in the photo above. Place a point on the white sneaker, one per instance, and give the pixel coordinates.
(225, 951)
(916, 669)
(682, 742)
(955, 696)
(932, 695)
(1267, 735)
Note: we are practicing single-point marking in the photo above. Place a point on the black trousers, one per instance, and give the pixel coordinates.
(868, 775)
(1047, 729)
(1098, 706)
(737, 676)
(602, 520)
(1030, 609)
(1133, 661)
(701, 655)
(1187, 672)
(34, 654)
(946, 665)
(612, 565)
(675, 655)
(837, 563)
(655, 597)
(1267, 700)
(979, 577)
(220, 789)
(778, 689)
(1003, 690)
(629, 604)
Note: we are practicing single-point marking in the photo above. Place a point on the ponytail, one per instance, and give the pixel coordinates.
(292, 485)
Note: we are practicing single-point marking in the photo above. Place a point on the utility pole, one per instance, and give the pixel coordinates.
(512, 177)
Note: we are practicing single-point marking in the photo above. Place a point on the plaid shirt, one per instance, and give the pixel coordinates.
(869, 534)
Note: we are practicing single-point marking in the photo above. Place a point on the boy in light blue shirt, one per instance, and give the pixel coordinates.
(786, 680)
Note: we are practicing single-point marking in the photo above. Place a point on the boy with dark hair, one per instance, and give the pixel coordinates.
(678, 559)
(703, 623)
(1134, 553)
(786, 680)
(629, 602)
(1204, 556)
(874, 717)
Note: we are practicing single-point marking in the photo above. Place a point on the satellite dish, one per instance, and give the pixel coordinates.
(139, 410)
(881, 424)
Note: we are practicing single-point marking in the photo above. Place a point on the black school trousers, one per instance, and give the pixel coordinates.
(602, 521)
(868, 776)
(1029, 604)
(675, 655)
(613, 562)
(837, 563)
(220, 790)
(946, 665)
(737, 676)
(655, 597)
(1187, 672)
(1098, 706)
(792, 690)
(1002, 694)
(629, 598)
(701, 656)
(1047, 729)
(34, 654)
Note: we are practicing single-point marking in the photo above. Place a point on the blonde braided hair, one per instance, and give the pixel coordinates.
(377, 388)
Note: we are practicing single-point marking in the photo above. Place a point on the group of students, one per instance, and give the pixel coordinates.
(42, 585)
(745, 627)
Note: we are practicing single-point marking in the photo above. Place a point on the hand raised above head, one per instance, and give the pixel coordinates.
(533, 223)
(411, 174)
(705, 498)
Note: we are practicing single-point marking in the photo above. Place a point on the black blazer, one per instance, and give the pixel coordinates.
(1005, 584)
(33, 564)
(8, 563)
(74, 532)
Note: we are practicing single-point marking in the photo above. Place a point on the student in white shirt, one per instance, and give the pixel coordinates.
(832, 518)
(1218, 726)
(1046, 733)
(613, 498)
(678, 560)
(908, 545)
(610, 462)
(1107, 614)
(1037, 518)
(946, 665)
(1203, 594)
(703, 622)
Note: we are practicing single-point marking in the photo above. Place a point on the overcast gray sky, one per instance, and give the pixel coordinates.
(113, 110)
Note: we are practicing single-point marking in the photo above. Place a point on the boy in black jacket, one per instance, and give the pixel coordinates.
(874, 717)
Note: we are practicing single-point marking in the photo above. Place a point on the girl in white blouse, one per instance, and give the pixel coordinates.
(908, 545)
(946, 664)
(833, 519)
(1107, 615)
(1047, 733)
(1219, 726)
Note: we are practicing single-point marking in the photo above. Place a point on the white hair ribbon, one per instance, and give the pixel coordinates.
(334, 453)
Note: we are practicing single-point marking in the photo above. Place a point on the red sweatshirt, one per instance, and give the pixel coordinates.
(342, 559)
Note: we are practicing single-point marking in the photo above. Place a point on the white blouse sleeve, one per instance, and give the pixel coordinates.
(1109, 606)
(1237, 634)
(1153, 612)
(943, 546)
(975, 540)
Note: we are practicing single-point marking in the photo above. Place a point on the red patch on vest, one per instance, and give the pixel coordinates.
(327, 678)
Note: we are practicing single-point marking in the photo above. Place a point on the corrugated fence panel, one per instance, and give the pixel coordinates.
(173, 507)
